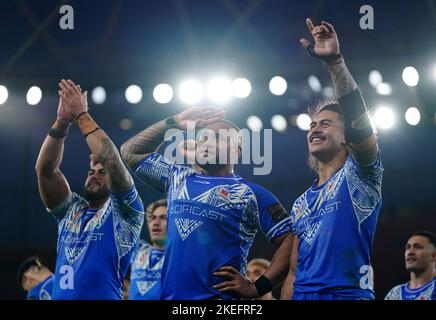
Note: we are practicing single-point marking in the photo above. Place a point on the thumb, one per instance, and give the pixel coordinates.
(304, 43)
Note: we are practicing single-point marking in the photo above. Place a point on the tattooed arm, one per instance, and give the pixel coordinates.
(342, 79)
(137, 148)
(105, 152)
(102, 148)
(361, 140)
(148, 141)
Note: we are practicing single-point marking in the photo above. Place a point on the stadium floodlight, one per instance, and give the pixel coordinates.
(34, 95)
(219, 90)
(191, 91)
(241, 88)
(314, 83)
(413, 116)
(98, 95)
(254, 123)
(279, 123)
(133, 94)
(375, 78)
(384, 117)
(303, 121)
(163, 93)
(411, 76)
(384, 89)
(3, 94)
(278, 86)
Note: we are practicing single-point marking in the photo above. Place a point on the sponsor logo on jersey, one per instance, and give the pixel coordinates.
(186, 227)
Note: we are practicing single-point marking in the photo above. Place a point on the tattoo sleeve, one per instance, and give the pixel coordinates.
(342, 79)
(105, 152)
(361, 140)
(141, 145)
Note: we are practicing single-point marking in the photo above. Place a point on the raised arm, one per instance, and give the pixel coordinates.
(360, 137)
(52, 184)
(148, 141)
(102, 148)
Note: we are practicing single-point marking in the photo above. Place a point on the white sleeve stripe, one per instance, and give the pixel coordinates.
(62, 205)
(277, 226)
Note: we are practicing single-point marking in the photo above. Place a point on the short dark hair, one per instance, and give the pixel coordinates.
(30, 262)
(325, 104)
(428, 234)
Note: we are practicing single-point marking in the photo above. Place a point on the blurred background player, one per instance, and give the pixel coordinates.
(256, 268)
(35, 278)
(97, 233)
(420, 259)
(213, 215)
(147, 260)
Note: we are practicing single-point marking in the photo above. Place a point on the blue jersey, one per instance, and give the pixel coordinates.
(404, 292)
(335, 224)
(146, 272)
(42, 291)
(94, 247)
(212, 222)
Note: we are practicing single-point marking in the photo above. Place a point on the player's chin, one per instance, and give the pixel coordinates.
(413, 267)
(94, 192)
(318, 151)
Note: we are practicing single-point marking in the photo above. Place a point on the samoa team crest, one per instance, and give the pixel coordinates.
(223, 192)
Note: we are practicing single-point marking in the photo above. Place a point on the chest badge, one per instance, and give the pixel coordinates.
(224, 192)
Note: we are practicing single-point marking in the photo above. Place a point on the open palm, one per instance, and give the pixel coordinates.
(202, 116)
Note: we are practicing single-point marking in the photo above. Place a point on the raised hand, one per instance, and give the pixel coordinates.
(236, 283)
(63, 116)
(75, 101)
(326, 42)
(202, 116)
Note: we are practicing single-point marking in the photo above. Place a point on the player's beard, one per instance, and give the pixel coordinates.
(100, 194)
(211, 167)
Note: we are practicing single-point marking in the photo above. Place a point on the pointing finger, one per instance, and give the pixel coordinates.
(310, 25)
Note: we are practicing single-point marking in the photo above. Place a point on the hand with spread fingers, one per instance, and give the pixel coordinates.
(236, 283)
(326, 46)
(202, 116)
(75, 101)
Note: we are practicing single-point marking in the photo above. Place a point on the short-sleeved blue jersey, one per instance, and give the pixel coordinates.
(212, 222)
(94, 247)
(335, 224)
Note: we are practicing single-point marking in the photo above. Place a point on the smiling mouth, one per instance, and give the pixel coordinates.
(317, 139)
